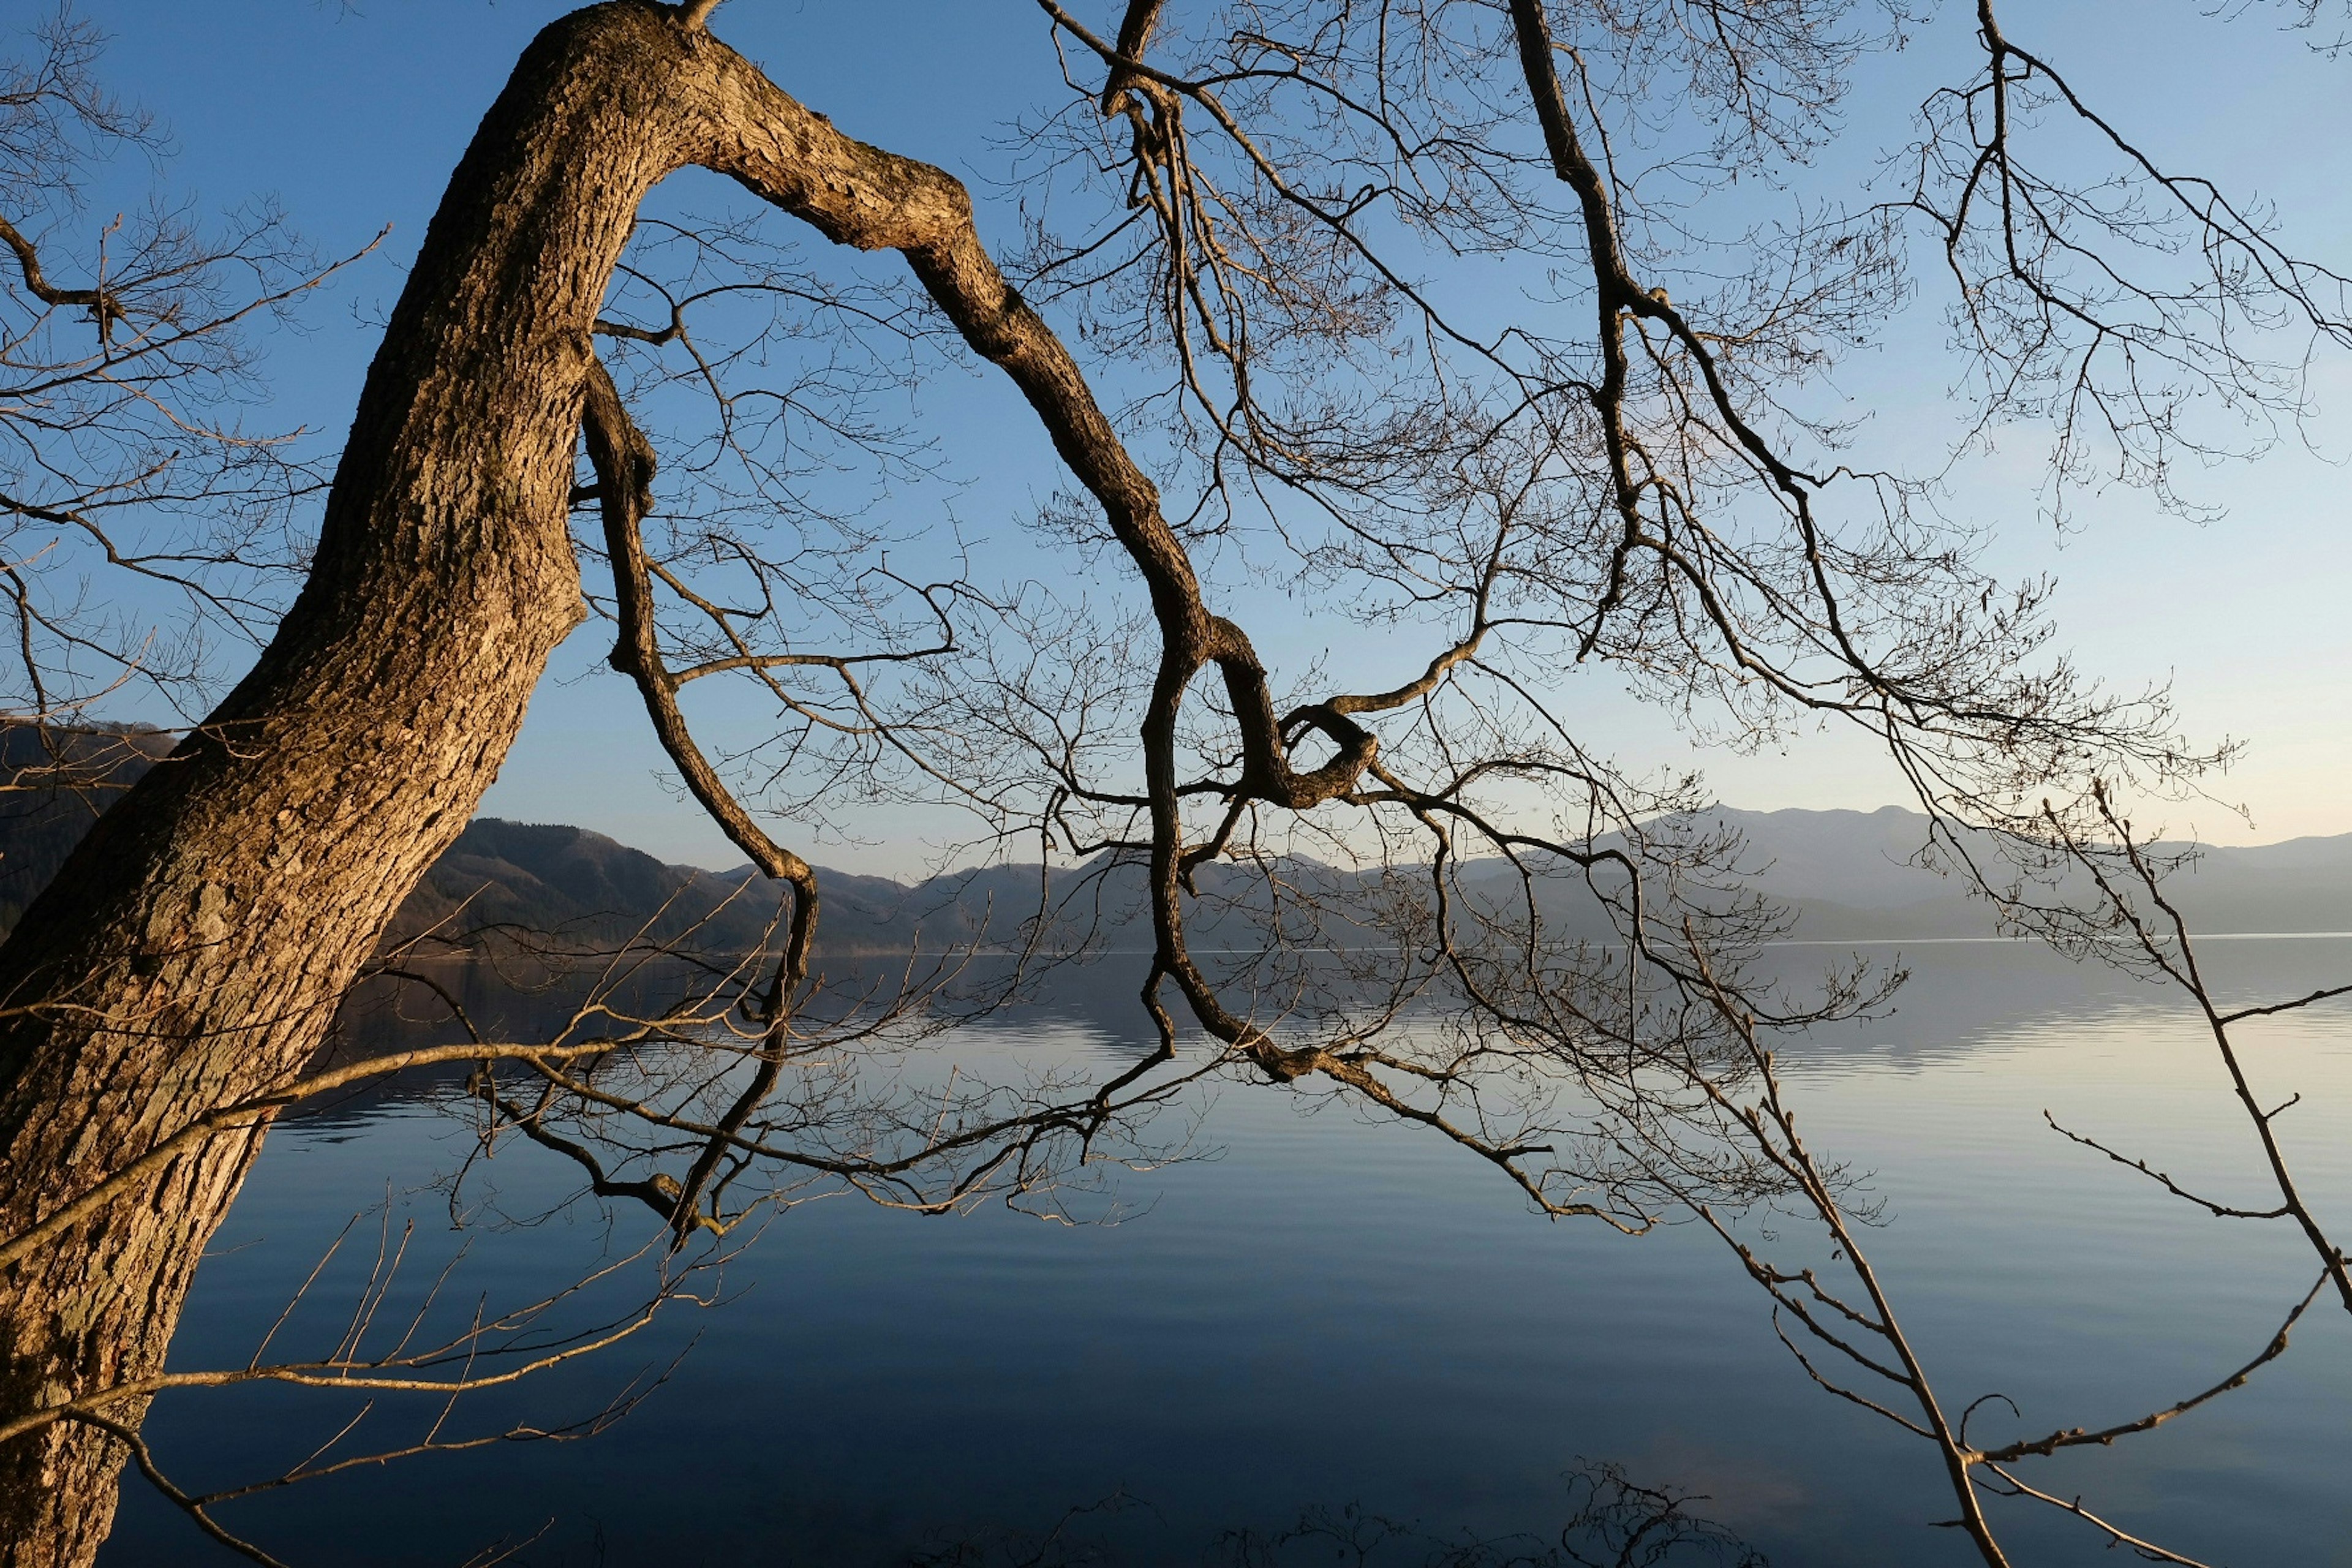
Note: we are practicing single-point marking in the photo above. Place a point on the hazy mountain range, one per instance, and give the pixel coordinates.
(1846, 872)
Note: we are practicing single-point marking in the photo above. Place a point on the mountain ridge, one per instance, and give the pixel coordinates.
(1846, 874)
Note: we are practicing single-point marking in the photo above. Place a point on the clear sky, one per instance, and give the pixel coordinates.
(354, 115)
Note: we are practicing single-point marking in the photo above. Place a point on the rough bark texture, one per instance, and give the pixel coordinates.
(194, 949)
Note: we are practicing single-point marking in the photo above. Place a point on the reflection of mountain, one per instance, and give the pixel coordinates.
(1848, 874)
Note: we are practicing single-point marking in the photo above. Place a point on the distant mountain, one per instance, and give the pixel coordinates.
(2302, 884)
(1861, 860)
(580, 887)
(1854, 875)
(588, 889)
(1850, 875)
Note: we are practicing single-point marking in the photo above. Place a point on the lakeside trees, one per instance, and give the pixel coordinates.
(1628, 473)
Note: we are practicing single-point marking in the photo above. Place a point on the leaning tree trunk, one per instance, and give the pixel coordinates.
(193, 951)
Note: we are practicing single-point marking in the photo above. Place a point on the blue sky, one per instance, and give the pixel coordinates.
(352, 116)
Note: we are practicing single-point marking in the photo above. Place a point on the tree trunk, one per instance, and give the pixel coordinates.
(194, 947)
(194, 950)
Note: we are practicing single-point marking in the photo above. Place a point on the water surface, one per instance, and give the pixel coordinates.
(1322, 1309)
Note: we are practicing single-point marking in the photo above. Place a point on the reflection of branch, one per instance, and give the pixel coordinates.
(2172, 953)
(624, 465)
(259, 1110)
(476, 1351)
(145, 1457)
(400, 1373)
(660, 1192)
(1771, 1126)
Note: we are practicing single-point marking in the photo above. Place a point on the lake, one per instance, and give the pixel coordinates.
(1319, 1312)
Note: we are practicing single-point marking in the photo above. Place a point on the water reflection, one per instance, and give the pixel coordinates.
(1326, 1309)
(1612, 1521)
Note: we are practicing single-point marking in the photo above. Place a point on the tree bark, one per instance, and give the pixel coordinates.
(194, 950)
(194, 947)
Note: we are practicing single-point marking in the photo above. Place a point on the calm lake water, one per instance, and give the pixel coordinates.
(1329, 1311)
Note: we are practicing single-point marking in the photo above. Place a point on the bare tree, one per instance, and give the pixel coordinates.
(2134, 922)
(140, 1017)
(1624, 476)
(145, 521)
(1855, 1328)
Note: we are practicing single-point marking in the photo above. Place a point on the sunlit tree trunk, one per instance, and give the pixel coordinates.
(194, 947)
